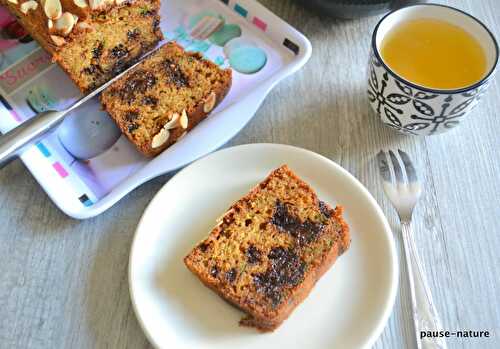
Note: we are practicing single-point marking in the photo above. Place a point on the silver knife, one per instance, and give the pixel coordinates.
(30, 131)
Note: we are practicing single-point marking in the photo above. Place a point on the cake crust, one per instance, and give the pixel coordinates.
(293, 252)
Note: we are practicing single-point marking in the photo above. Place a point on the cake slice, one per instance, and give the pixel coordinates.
(269, 249)
(165, 96)
(92, 40)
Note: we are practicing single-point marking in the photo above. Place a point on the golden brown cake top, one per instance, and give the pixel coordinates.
(64, 18)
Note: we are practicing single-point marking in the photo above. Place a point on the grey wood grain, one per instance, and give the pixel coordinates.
(63, 283)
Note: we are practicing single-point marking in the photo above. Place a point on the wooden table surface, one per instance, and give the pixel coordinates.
(63, 283)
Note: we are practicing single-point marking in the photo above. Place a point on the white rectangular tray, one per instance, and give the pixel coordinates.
(83, 187)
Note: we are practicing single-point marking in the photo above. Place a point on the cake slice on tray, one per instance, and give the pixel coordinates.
(92, 40)
(165, 96)
(269, 249)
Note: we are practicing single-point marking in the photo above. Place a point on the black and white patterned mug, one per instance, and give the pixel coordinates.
(418, 110)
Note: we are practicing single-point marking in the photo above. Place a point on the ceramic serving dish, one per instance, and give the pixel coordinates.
(87, 165)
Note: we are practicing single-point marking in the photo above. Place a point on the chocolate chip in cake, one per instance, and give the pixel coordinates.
(133, 34)
(132, 127)
(138, 82)
(150, 100)
(97, 51)
(122, 64)
(146, 46)
(304, 232)
(175, 74)
(119, 51)
(131, 116)
(285, 269)
(92, 69)
(214, 271)
(156, 24)
(253, 255)
(150, 80)
(203, 247)
(231, 275)
(324, 209)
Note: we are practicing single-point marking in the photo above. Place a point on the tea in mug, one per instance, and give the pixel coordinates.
(434, 54)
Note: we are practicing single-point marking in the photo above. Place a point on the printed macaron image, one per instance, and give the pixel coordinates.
(202, 25)
(227, 33)
(209, 27)
(41, 99)
(244, 56)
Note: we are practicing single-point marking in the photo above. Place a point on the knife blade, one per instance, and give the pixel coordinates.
(13, 142)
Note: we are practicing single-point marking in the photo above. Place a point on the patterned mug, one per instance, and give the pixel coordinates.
(418, 110)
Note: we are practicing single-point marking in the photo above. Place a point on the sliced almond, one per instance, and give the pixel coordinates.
(174, 117)
(50, 24)
(13, 1)
(210, 102)
(75, 17)
(28, 5)
(59, 41)
(174, 120)
(83, 25)
(64, 25)
(119, 2)
(160, 138)
(53, 9)
(97, 4)
(183, 121)
(81, 3)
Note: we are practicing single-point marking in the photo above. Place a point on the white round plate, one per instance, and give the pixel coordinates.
(347, 308)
